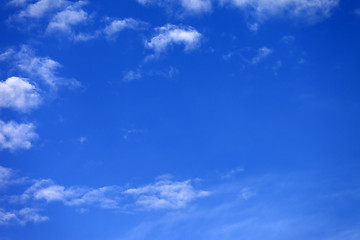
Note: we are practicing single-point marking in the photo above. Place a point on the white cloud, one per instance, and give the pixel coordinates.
(22, 216)
(118, 25)
(261, 54)
(132, 75)
(14, 136)
(7, 54)
(6, 174)
(19, 94)
(41, 8)
(170, 34)
(165, 194)
(42, 68)
(66, 19)
(189, 6)
(308, 9)
(104, 197)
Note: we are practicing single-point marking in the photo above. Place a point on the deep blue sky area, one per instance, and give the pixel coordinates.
(179, 119)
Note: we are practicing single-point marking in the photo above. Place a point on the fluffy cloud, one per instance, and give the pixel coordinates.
(170, 34)
(118, 25)
(166, 194)
(64, 20)
(19, 94)
(22, 216)
(40, 8)
(308, 9)
(14, 136)
(189, 6)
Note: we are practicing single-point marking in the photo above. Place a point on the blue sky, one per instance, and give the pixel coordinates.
(188, 119)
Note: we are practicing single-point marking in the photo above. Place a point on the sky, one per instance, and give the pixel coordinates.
(179, 119)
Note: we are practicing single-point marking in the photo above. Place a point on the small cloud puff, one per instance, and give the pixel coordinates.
(14, 136)
(19, 94)
(71, 16)
(171, 34)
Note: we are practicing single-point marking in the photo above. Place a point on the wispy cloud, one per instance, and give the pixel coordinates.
(22, 216)
(186, 6)
(48, 191)
(262, 53)
(40, 8)
(232, 173)
(66, 19)
(118, 25)
(15, 136)
(9, 177)
(306, 9)
(44, 70)
(19, 94)
(166, 194)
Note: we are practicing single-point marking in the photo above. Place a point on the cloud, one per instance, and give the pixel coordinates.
(66, 19)
(41, 8)
(170, 34)
(307, 9)
(14, 136)
(19, 94)
(46, 190)
(232, 173)
(132, 75)
(41, 68)
(162, 195)
(118, 25)
(188, 6)
(22, 216)
(165, 194)
(261, 54)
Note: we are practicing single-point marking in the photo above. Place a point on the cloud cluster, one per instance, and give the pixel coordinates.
(15, 135)
(66, 17)
(24, 94)
(161, 195)
(306, 9)
(22, 216)
(309, 10)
